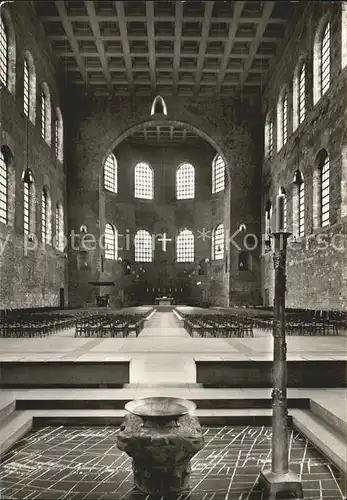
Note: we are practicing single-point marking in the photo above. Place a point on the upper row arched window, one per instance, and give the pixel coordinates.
(144, 178)
(7, 79)
(321, 83)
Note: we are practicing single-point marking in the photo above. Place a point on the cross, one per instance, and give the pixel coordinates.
(164, 239)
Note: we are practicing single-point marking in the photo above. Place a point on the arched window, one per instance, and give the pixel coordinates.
(323, 189)
(299, 204)
(143, 246)
(302, 94)
(269, 137)
(218, 242)
(59, 227)
(46, 219)
(46, 114)
(158, 106)
(282, 119)
(111, 174)
(185, 182)
(111, 242)
(144, 181)
(59, 136)
(3, 53)
(299, 94)
(29, 88)
(3, 189)
(285, 118)
(27, 204)
(321, 62)
(7, 51)
(185, 246)
(218, 174)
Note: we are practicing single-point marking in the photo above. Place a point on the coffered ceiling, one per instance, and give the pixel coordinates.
(188, 48)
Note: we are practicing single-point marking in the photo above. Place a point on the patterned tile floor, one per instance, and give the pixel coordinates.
(84, 463)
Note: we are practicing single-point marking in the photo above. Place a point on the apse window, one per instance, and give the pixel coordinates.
(218, 174)
(185, 246)
(111, 174)
(185, 182)
(3, 189)
(143, 246)
(143, 181)
(111, 243)
(218, 242)
(3, 53)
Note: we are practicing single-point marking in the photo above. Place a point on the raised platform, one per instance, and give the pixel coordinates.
(233, 373)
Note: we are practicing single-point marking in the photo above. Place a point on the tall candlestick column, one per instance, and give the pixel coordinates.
(280, 479)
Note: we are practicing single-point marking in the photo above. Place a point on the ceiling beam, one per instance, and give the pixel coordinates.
(114, 18)
(60, 6)
(203, 44)
(238, 6)
(151, 42)
(94, 24)
(177, 46)
(125, 43)
(267, 10)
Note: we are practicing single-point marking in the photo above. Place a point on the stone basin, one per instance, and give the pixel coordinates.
(160, 407)
(161, 435)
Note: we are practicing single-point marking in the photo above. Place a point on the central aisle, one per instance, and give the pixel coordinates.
(163, 324)
(164, 368)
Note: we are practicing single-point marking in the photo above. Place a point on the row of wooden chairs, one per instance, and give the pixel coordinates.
(305, 324)
(219, 326)
(34, 325)
(108, 325)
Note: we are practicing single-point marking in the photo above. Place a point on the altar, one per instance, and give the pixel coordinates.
(164, 301)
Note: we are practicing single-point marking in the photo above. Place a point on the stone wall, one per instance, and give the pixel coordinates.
(33, 278)
(99, 125)
(317, 277)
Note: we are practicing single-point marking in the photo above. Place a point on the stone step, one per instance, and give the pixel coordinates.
(7, 406)
(333, 411)
(14, 427)
(326, 438)
(87, 403)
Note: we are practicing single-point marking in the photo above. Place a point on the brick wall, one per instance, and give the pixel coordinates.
(33, 278)
(317, 276)
(99, 125)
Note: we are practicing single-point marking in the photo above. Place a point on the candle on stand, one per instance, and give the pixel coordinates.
(280, 202)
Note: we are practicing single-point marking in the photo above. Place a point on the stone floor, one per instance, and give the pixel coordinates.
(84, 463)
